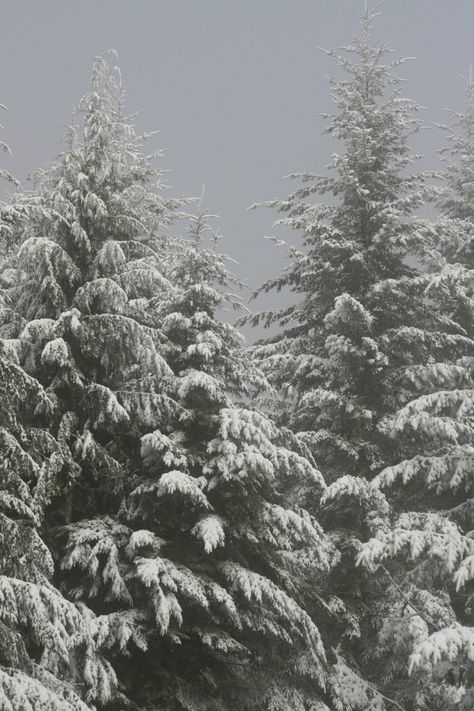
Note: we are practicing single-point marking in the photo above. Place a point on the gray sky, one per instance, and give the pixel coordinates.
(234, 86)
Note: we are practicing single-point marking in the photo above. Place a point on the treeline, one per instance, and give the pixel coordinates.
(190, 524)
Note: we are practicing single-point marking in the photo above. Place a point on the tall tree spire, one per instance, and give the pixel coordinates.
(358, 224)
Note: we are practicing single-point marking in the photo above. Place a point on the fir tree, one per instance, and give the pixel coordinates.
(353, 348)
(428, 547)
(49, 653)
(67, 336)
(352, 277)
(221, 492)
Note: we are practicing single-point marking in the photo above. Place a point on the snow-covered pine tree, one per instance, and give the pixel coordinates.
(49, 652)
(329, 362)
(350, 349)
(75, 321)
(175, 515)
(428, 549)
(218, 557)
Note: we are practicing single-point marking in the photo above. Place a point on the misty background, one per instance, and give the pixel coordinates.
(235, 88)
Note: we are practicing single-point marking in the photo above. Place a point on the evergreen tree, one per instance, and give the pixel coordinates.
(222, 492)
(352, 276)
(94, 212)
(49, 652)
(428, 547)
(353, 348)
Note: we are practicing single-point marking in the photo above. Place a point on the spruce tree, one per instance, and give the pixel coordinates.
(223, 491)
(352, 348)
(428, 547)
(53, 368)
(49, 653)
(351, 275)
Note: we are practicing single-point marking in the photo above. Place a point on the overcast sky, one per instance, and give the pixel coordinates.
(234, 86)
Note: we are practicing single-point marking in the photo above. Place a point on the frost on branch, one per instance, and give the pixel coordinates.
(295, 532)
(45, 619)
(176, 482)
(101, 296)
(348, 314)
(104, 407)
(247, 446)
(20, 691)
(20, 388)
(353, 691)
(420, 535)
(167, 582)
(210, 530)
(55, 354)
(355, 499)
(447, 645)
(196, 385)
(123, 346)
(95, 549)
(157, 448)
(438, 414)
(451, 471)
(290, 619)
